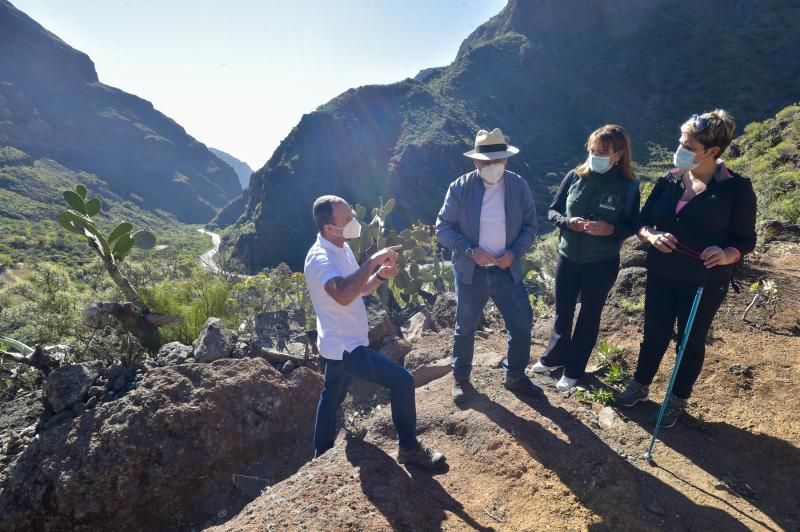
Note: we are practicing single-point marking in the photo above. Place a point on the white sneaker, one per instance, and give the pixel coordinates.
(541, 368)
(565, 384)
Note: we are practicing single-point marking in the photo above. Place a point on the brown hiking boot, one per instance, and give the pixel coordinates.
(421, 456)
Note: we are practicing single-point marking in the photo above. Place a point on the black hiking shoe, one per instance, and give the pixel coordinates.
(462, 389)
(672, 413)
(633, 393)
(421, 456)
(523, 386)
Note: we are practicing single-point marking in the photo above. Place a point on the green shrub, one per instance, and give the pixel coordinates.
(45, 308)
(194, 300)
(271, 290)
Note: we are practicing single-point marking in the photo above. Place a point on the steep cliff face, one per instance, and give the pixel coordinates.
(53, 105)
(547, 72)
(242, 169)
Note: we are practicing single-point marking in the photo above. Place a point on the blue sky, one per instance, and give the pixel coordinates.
(238, 75)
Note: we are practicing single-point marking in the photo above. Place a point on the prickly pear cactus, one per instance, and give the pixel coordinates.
(422, 272)
(112, 248)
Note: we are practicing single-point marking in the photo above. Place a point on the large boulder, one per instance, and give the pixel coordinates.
(417, 324)
(174, 353)
(68, 385)
(630, 283)
(214, 342)
(163, 456)
(395, 349)
(280, 337)
(779, 231)
(380, 323)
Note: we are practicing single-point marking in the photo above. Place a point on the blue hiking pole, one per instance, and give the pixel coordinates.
(696, 303)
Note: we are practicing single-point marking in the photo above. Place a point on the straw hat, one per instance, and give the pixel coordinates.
(491, 146)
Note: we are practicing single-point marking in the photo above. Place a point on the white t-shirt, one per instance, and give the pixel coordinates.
(492, 232)
(339, 327)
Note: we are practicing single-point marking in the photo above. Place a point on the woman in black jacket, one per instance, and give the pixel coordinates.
(700, 221)
(596, 208)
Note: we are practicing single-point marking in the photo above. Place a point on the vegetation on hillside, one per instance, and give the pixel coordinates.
(769, 154)
(31, 198)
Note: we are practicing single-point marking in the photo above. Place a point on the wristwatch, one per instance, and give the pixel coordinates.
(469, 251)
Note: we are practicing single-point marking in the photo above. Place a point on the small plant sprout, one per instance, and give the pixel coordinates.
(616, 376)
(765, 294)
(596, 395)
(608, 353)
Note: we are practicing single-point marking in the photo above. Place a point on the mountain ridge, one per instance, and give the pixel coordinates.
(547, 73)
(242, 169)
(53, 105)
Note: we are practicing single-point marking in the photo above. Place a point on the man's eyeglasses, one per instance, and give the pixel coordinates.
(700, 123)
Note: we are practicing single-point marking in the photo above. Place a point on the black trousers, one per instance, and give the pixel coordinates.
(666, 302)
(592, 281)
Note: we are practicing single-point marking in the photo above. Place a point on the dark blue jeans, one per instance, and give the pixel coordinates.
(368, 365)
(592, 281)
(512, 300)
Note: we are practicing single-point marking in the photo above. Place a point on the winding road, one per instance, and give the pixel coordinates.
(207, 258)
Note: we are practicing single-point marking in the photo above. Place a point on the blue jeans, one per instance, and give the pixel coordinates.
(370, 366)
(512, 300)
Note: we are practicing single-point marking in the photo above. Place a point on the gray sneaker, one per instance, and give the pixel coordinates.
(421, 456)
(675, 406)
(633, 393)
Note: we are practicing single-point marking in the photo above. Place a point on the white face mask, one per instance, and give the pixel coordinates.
(492, 173)
(684, 159)
(599, 164)
(351, 230)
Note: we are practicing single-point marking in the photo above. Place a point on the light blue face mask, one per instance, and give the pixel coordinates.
(684, 159)
(599, 164)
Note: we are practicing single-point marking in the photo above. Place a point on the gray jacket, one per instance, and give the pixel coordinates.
(459, 221)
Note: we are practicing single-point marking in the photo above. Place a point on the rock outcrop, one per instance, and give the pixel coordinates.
(214, 342)
(163, 456)
(69, 384)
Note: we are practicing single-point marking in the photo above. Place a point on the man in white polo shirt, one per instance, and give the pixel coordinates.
(488, 221)
(337, 283)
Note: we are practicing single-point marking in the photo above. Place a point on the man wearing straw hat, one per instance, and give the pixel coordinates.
(488, 221)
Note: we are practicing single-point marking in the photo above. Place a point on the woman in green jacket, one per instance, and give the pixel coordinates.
(596, 208)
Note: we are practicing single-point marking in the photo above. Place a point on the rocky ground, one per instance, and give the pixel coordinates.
(565, 464)
(226, 444)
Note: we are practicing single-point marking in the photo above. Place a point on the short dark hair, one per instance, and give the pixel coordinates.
(323, 210)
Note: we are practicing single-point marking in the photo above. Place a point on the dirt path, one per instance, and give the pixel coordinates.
(731, 464)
